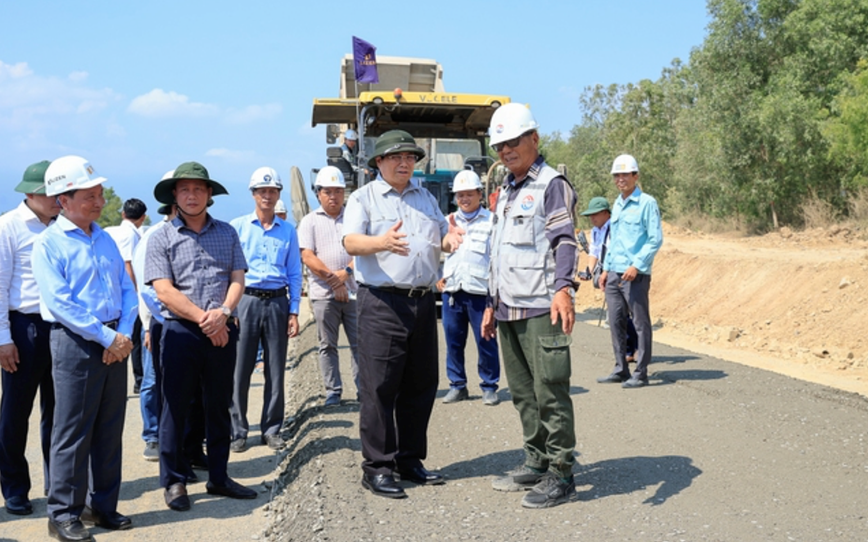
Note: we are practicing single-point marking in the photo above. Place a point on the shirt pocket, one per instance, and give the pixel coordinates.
(520, 230)
(528, 274)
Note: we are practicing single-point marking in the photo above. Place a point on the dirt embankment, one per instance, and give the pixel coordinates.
(795, 303)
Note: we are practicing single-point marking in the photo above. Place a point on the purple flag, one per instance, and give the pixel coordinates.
(365, 61)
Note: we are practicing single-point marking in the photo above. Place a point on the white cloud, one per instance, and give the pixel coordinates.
(232, 155)
(14, 71)
(253, 113)
(159, 103)
(78, 76)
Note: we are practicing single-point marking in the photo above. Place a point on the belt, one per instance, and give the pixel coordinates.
(265, 294)
(113, 324)
(408, 292)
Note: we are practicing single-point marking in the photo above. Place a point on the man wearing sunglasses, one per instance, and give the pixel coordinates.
(533, 260)
(394, 228)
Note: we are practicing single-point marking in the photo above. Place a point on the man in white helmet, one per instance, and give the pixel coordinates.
(350, 148)
(533, 260)
(465, 289)
(332, 286)
(635, 237)
(280, 209)
(265, 312)
(92, 307)
(25, 354)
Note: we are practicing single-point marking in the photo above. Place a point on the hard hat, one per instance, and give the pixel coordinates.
(168, 175)
(510, 121)
(330, 177)
(265, 177)
(351, 134)
(33, 181)
(625, 164)
(280, 207)
(70, 173)
(394, 142)
(466, 180)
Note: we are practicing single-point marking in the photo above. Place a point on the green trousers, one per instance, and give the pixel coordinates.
(536, 358)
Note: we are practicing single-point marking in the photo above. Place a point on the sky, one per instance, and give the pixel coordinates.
(138, 88)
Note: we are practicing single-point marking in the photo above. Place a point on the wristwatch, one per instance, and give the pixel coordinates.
(227, 312)
(349, 270)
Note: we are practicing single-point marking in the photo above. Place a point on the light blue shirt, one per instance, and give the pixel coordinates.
(636, 233)
(149, 303)
(273, 256)
(376, 207)
(83, 281)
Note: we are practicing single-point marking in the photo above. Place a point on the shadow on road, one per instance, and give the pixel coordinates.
(671, 377)
(485, 465)
(630, 474)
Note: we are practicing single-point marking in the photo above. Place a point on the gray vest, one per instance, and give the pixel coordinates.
(522, 261)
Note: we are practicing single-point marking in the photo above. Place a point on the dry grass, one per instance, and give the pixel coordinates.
(707, 224)
(818, 213)
(858, 208)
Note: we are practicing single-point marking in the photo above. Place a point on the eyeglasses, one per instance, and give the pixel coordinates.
(512, 143)
(398, 158)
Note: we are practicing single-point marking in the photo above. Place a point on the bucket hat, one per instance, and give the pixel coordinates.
(393, 142)
(187, 170)
(596, 205)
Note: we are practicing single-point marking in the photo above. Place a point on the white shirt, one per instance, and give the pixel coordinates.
(18, 290)
(145, 291)
(126, 237)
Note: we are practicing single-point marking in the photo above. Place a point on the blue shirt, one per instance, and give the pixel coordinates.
(636, 233)
(83, 281)
(273, 256)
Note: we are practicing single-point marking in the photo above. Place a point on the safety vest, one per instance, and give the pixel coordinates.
(522, 261)
(468, 267)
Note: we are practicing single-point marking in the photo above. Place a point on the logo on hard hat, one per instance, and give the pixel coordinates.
(267, 178)
(499, 128)
(89, 170)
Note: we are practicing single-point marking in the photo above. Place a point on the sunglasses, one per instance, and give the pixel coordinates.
(398, 158)
(512, 143)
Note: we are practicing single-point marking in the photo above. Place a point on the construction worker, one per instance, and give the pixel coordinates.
(394, 228)
(196, 266)
(533, 260)
(266, 314)
(25, 355)
(636, 236)
(350, 148)
(332, 286)
(92, 308)
(127, 235)
(280, 209)
(465, 289)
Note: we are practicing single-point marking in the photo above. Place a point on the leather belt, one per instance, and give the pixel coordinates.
(112, 324)
(265, 294)
(408, 292)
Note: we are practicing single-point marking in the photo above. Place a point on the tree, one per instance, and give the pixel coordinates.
(111, 212)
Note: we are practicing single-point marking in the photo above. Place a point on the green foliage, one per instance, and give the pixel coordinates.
(111, 213)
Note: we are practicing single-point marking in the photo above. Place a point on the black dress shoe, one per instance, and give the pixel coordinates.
(613, 378)
(231, 489)
(383, 485)
(19, 505)
(112, 520)
(71, 530)
(176, 497)
(422, 476)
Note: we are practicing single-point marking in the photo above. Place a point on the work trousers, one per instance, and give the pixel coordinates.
(149, 394)
(191, 365)
(536, 358)
(398, 361)
(626, 299)
(136, 361)
(30, 335)
(90, 404)
(460, 310)
(262, 320)
(330, 314)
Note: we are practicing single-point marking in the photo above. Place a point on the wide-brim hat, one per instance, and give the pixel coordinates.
(596, 205)
(33, 181)
(187, 170)
(393, 142)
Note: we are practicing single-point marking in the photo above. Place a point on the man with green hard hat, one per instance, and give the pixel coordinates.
(196, 265)
(394, 228)
(25, 356)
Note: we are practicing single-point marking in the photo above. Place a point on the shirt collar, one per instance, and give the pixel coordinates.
(178, 223)
(66, 224)
(254, 219)
(532, 174)
(634, 196)
(383, 187)
(320, 211)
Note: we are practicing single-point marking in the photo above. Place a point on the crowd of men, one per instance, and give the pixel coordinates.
(203, 299)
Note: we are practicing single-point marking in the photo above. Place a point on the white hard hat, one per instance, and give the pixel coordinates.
(168, 175)
(351, 134)
(70, 173)
(466, 180)
(625, 164)
(510, 121)
(265, 177)
(330, 177)
(280, 207)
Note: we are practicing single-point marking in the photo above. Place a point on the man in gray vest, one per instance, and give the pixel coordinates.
(533, 259)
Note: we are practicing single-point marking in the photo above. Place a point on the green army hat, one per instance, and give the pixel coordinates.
(393, 142)
(596, 205)
(187, 170)
(33, 181)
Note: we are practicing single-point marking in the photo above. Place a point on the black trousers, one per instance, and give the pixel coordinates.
(136, 353)
(30, 335)
(190, 365)
(398, 364)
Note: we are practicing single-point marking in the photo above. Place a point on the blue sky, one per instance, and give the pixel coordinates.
(138, 88)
